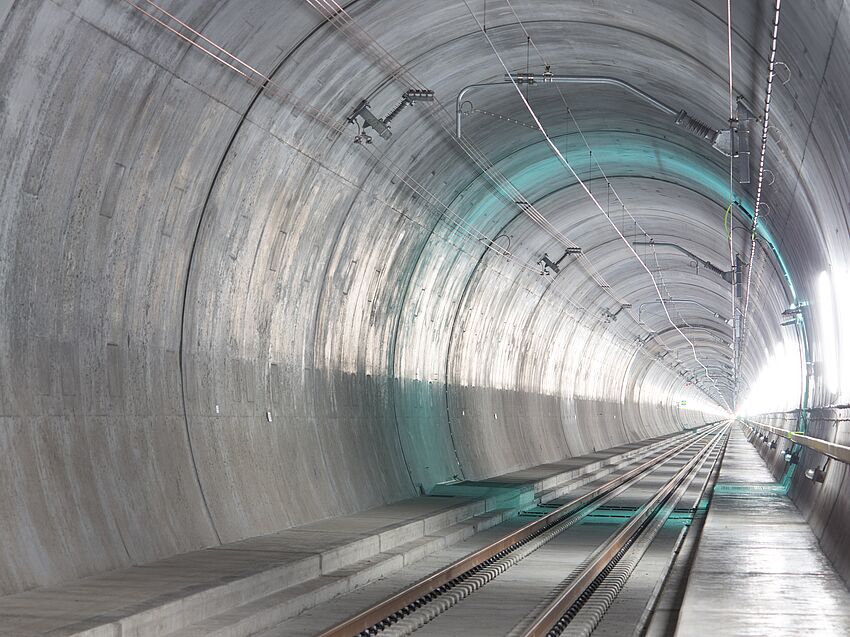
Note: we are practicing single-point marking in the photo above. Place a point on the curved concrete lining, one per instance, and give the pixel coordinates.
(220, 318)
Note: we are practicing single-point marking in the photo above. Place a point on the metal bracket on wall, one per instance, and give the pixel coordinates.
(732, 142)
(708, 265)
(381, 125)
(612, 316)
(550, 266)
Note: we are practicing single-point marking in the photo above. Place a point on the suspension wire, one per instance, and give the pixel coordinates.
(592, 161)
(231, 61)
(587, 190)
(409, 181)
(771, 73)
(592, 197)
(257, 78)
(731, 215)
(333, 12)
(265, 83)
(595, 201)
(254, 76)
(461, 226)
(340, 14)
(419, 188)
(625, 208)
(469, 231)
(423, 192)
(595, 162)
(333, 15)
(666, 291)
(504, 118)
(336, 15)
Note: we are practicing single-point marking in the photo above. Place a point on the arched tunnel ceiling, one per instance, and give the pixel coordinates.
(221, 311)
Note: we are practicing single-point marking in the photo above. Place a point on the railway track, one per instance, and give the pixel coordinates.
(572, 558)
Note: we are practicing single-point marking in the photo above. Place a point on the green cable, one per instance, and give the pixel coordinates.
(726, 222)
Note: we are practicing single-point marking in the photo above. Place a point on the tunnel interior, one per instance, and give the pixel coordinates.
(230, 307)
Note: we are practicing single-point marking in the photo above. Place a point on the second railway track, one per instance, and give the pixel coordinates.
(569, 559)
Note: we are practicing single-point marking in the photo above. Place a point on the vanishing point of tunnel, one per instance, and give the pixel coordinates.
(451, 317)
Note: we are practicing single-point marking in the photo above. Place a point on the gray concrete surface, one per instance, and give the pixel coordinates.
(221, 319)
(826, 505)
(758, 568)
(239, 588)
(505, 603)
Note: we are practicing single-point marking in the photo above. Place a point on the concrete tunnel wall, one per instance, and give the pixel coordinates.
(826, 506)
(221, 319)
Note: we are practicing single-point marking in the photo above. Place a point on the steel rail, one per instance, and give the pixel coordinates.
(543, 625)
(414, 594)
(707, 488)
(586, 616)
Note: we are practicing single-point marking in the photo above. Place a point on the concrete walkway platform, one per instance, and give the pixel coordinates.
(247, 586)
(758, 569)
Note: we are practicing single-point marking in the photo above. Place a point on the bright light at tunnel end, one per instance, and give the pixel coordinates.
(780, 383)
(778, 386)
(833, 309)
(704, 406)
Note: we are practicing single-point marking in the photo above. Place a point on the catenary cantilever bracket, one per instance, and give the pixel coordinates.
(381, 125)
(735, 275)
(727, 141)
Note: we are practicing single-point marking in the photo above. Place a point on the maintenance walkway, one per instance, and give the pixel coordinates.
(758, 569)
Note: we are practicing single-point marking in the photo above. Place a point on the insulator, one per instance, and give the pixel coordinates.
(695, 126)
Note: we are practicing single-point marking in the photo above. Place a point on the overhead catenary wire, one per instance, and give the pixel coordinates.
(333, 12)
(594, 161)
(234, 63)
(771, 73)
(587, 190)
(252, 74)
(417, 187)
(255, 77)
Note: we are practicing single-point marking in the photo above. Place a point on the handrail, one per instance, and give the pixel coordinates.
(830, 449)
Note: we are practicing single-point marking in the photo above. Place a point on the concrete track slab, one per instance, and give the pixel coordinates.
(239, 587)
